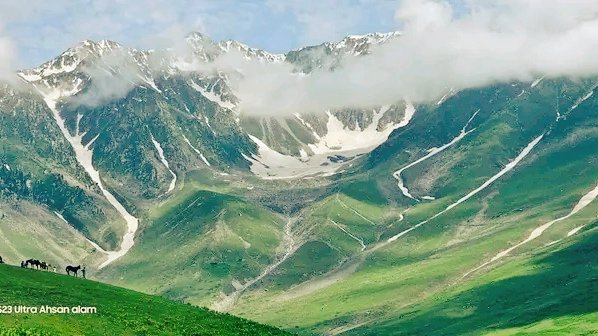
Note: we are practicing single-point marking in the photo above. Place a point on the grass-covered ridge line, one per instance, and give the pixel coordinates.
(119, 311)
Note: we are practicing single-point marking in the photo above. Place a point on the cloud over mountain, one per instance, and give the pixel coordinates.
(439, 50)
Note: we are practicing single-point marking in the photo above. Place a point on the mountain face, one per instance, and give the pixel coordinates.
(90, 79)
(143, 166)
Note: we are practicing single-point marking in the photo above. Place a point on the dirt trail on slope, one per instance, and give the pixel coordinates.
(289, 244)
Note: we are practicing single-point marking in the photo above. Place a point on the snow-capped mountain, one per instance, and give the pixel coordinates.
(328, 55)
(96, 74)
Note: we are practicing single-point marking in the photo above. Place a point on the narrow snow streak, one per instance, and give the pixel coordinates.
(363, 246)
(203, 158)
(536, 82)
(402, 214)
(580, 100)
(211, 96)
(83, 155)
(505, 170)
(164, 162)
(574, 231)
(583, 202)
(537, 232)
(431, 153)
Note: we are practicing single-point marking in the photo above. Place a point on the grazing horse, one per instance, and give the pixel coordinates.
(73, 269)
(33, 262)
(43, 265)
(1, 261)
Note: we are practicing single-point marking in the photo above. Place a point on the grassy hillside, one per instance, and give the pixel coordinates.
(119, 311)
(552, 292)
(382, 290)
(207, 240)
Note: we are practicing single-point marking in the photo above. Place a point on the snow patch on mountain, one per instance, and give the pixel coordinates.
(484, 185)
(536, 82)
(449, 94)
(537, 232)
(211, 96)
(203, 158)
(584, 98)
(250, 53)
(271, 165)
(340, 138)
(333, 150)
(160, 151)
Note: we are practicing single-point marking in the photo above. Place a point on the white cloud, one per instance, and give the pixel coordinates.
(515, 40)
(7, 56)
(112, 78)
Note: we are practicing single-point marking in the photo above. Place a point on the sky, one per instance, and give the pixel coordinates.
(39, 30)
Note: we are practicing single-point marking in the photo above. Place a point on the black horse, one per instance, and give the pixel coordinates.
(1, 261)
(33, 262)
(73, 269)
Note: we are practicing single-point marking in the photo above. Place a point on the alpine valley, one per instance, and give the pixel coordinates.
(472, 214)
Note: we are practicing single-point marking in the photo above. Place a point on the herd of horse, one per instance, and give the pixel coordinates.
(36, 264)
(42, 265)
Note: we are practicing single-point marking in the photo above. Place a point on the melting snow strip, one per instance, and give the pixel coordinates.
(203, 158)
(211, 96)
(537, 232)
(505, 170)
(536, 82)
(83, 155)
(164, 162)
(431, 153)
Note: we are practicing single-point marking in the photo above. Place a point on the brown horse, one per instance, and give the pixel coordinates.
(73, 269)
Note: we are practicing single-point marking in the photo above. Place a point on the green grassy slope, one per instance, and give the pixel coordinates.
(552, 292)
(119, 311)
(221, 236)
(198, 243)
